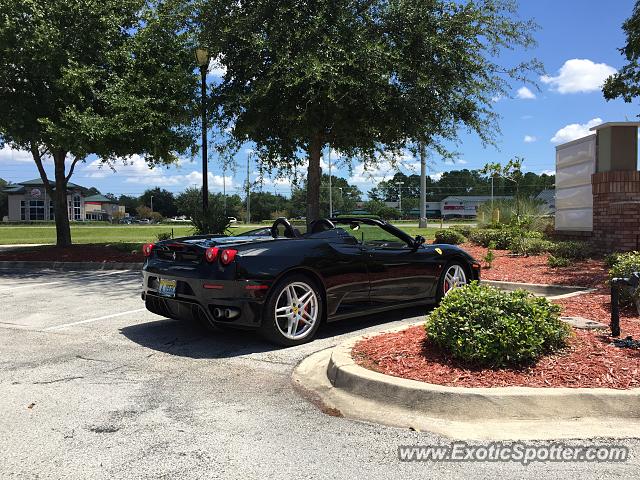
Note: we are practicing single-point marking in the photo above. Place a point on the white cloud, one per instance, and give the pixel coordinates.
(547, 172)
(579, 76)
(11, 155)
(529, 139)
(574, 131)
(388, 164)
(458, 161)
(525, 94)
(136, 171)
(436, 176)
(496, 98)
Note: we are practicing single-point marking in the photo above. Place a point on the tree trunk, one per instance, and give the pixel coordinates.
(63, 230)
(313, 179)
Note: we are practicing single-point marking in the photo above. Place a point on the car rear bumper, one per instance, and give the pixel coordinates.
(228, 302)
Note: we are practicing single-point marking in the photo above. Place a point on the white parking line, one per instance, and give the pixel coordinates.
(29, 285)
(65, 325)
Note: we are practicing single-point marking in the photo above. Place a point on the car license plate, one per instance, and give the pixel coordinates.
(167, 288)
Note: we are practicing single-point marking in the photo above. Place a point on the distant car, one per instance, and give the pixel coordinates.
(285, 284)
(232, 219)
(146, 221)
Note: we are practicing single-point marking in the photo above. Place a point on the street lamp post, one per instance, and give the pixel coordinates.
(203, 59)
(151, 203)
(399, 184)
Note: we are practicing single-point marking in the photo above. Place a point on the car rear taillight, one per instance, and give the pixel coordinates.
(147, 248)
(228, 256)
(211, 254)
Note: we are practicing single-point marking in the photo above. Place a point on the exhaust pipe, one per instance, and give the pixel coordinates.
(218, 313)
(231, 313)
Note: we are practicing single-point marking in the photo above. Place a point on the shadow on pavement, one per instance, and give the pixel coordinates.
(191, 339)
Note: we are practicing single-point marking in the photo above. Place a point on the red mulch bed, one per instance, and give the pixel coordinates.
(590, 360)
(534, 269)
(74, 253)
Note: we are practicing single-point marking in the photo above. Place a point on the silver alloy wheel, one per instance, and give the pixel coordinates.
(296, 310)
(454, 277)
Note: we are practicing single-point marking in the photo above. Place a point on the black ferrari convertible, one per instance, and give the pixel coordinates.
(285, 284)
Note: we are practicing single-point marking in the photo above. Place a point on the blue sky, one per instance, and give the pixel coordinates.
(577, 42)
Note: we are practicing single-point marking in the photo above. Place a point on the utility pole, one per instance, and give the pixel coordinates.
(151, 203)
(330, 192)
(248, 193)
(203, 59)
(423, 186)
(224, 188)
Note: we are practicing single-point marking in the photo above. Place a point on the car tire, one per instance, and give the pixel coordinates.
(299, 301)
(444, 284)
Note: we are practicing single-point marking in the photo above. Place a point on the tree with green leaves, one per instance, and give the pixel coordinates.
(511, 171)
(189, 202)
(388, 190)
(163, 202)
(344, 196)
(626, 82)
(362, 76)
(112, 78)
(130, 203)
(264, 204)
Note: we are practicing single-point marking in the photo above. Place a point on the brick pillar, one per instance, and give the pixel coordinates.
(616, 210)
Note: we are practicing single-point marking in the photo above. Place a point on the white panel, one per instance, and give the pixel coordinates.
(583, 150)
(578, 220)
(575, 197)
(575, 163)
(573, 175)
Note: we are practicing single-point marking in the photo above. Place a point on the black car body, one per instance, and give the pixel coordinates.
(348, 274)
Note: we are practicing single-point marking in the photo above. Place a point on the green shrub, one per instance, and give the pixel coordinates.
(215, 221)
(490, 256)
(534, 246)
(558, 262)
(484, 326)
(611, 259)
(164, 236)
(389, 213)
(573, 250)
(500, 237)
(536, 210)
(464, 230)
(625, 264)
(450, 236)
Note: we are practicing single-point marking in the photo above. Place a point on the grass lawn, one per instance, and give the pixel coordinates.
(13, 234)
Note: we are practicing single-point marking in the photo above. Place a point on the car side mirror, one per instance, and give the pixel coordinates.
(419, 240)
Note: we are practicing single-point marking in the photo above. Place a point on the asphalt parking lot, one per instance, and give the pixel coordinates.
(94, 386)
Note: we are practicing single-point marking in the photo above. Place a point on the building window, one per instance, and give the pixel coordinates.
(23, 210)
(36, 210)
(76, 208)
(52, 211)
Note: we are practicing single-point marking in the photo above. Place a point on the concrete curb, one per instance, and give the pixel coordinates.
(69, 266)
(544, 290)
(336, 382)
(459, 403)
